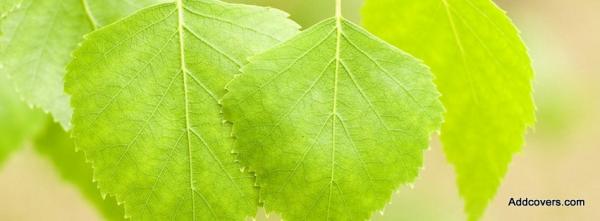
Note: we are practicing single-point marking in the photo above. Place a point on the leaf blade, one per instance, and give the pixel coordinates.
(31, 34)
(484, 74)
(309, 111)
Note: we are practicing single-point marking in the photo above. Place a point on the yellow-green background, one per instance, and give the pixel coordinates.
(560, 160)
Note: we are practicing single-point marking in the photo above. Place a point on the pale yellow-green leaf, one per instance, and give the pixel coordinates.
(484, 74)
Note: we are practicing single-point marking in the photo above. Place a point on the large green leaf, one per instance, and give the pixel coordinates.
(145, 93)
(18, 122)
(39, 38)
(484, 74)
(332, 122)
(54, 143)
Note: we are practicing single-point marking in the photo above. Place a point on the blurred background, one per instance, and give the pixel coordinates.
(560, 160)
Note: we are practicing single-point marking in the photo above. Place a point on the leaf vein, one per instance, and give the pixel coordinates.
(296, 60)
(212, 154)
(130, 82)
(212, 46)
(147, 122)
(231, 23)
(385, 71)
(306, 151)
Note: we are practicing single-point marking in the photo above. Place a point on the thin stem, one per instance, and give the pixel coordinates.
(338, 9)
(89, 15)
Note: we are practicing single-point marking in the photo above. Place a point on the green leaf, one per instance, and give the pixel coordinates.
(332, 122)
(39, 38)
(58, 147)
(484, 73)
(145, 93)
(18, 122)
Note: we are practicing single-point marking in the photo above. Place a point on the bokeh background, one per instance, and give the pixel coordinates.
(560, 160)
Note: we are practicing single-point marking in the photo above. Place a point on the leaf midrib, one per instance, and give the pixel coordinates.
(338, 38)
(180, 30)
(189, 131)
(459, 45)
